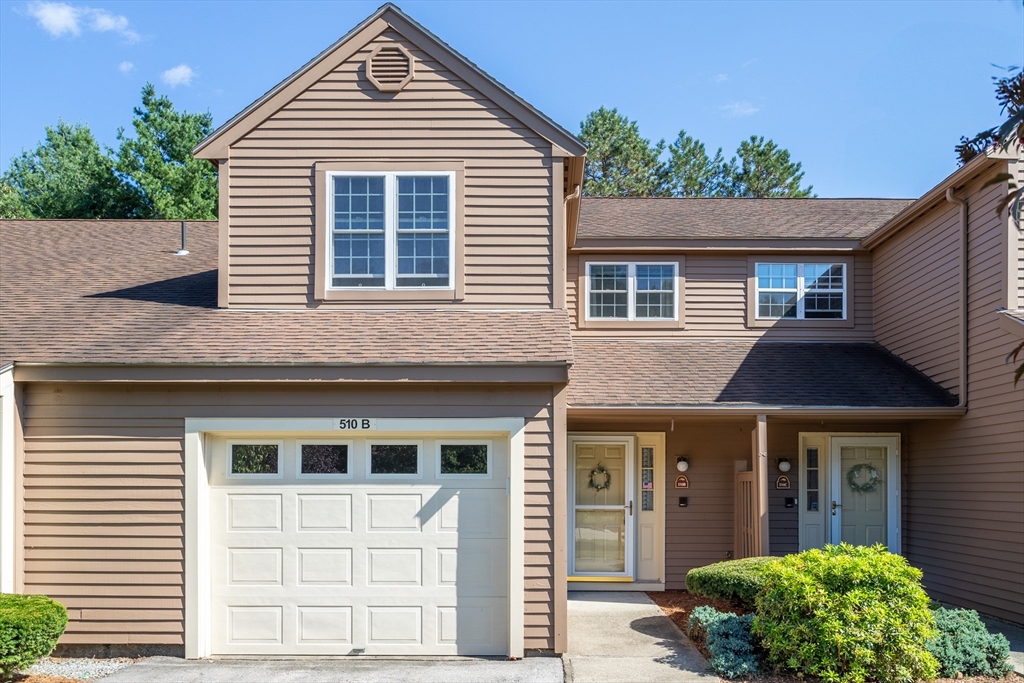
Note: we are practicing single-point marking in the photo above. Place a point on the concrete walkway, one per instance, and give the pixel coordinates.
(1014, 634)
(340, 670)
(619, 636)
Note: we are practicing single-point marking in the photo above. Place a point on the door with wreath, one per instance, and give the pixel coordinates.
(864, 491)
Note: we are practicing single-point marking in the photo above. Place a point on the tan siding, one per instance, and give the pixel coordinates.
(964, 479)
(436, 117)
(715, 300)
(104, 495)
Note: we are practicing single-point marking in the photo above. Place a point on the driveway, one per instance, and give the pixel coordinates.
(364, 670)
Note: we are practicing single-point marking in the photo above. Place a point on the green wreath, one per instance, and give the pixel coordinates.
(854, 473)
(603, 473)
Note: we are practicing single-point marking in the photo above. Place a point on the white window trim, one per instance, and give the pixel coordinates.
(463, 442)
(390, 228)
(370, 443)
(801, 290)
(631, 290)
(254, 442)
(324, 442)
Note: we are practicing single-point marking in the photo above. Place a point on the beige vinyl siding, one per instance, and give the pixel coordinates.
(715, 300)
(104, 490)
(964, 479)
(436, 117)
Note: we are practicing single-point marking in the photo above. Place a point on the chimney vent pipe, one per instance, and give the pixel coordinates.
(184, 245)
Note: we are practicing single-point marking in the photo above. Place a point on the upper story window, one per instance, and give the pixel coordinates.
(391, 230)
(632, 291)
(801, 291)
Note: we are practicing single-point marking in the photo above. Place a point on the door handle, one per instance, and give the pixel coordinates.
(630, 508)
(834, 506)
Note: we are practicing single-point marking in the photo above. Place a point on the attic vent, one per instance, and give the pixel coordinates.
(390, 67)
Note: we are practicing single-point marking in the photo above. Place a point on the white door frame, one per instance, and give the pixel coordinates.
(831, 489)
(198, 596)
(629, 441)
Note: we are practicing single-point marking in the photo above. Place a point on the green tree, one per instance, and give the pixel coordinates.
(763, 169)
(158, 164)
(693, 172)
(620, 162)
(65, 176)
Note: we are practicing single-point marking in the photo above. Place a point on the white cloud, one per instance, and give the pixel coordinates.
(179, 75)
(739, 109)
(59, 18)
(720, 78)
(126, 67)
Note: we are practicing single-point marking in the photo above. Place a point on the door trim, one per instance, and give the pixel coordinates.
(198, 564)
(833, 481)
(629, 441)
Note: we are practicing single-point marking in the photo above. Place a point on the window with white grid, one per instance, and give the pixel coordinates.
(391, 230)
(632, 291)
(801, 291)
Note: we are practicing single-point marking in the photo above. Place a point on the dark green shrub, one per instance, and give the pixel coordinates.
(738, 581)
(728, 639)
(846, 614)
(965, 647)
(29, 628)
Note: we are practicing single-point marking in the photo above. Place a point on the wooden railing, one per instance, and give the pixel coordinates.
(746, 542)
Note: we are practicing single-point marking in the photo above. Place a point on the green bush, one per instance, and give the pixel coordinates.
(846, 614)
(965, 647)
(728, 639)
(29, 628)
(737, 581)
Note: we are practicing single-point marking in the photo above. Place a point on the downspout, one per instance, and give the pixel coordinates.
(962, 403)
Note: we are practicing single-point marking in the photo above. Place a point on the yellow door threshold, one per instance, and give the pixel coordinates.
(621, 579)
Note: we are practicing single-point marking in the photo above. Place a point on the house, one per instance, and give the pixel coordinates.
(410, 388)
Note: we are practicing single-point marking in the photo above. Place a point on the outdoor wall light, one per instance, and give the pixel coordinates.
(784, 465)
(681, 464)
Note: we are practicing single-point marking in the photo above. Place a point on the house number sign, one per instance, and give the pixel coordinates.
(356, 424)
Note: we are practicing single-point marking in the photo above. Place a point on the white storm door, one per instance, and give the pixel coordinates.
(602, 511)
(864, 504)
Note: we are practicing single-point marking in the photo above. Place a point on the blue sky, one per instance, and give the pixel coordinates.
(870, 96)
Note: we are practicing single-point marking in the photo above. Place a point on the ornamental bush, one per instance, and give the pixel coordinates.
(964, 647)
(846, 614)
(738, 581)
(728, 640)
(29, 628)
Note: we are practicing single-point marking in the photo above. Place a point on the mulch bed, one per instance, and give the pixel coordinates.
(677, 605)
(42, 678)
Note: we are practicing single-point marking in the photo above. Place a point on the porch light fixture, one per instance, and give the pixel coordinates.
(681, 464)
(784, 465)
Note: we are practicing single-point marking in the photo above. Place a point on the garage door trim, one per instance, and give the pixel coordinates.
(198, 603)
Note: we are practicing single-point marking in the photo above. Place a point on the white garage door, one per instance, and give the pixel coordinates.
(377, 544)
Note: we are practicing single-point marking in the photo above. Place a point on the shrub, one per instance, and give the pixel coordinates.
(738, 581)
(965, 647)
(728, 639)
(29, 628)
(846, 614)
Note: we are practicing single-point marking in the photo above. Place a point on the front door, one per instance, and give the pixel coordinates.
(602, 508)
(849, 490)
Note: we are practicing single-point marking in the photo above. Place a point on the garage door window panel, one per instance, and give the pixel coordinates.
(394, 459)
(331, 459)
(255, 459)
(464, 459)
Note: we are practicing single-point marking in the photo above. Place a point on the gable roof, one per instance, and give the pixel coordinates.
(639, 373)
(215, 145)
(113, 292)
(672, 218)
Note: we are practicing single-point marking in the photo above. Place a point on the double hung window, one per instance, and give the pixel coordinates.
(391, 230)
(801, 291)
(632, 291)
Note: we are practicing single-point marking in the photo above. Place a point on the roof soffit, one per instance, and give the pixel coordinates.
(217, 144)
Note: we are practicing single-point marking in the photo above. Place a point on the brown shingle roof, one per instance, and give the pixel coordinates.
(733, 217)
(114, 292)
(723, 373)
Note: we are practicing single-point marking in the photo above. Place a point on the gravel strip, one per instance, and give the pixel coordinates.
(79, 667)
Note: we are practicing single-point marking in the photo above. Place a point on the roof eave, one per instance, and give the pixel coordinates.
(698, 410)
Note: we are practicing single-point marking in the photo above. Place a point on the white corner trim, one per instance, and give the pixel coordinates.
(7, 486)
(197, 507)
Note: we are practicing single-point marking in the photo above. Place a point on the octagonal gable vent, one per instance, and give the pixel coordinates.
(390, 67)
